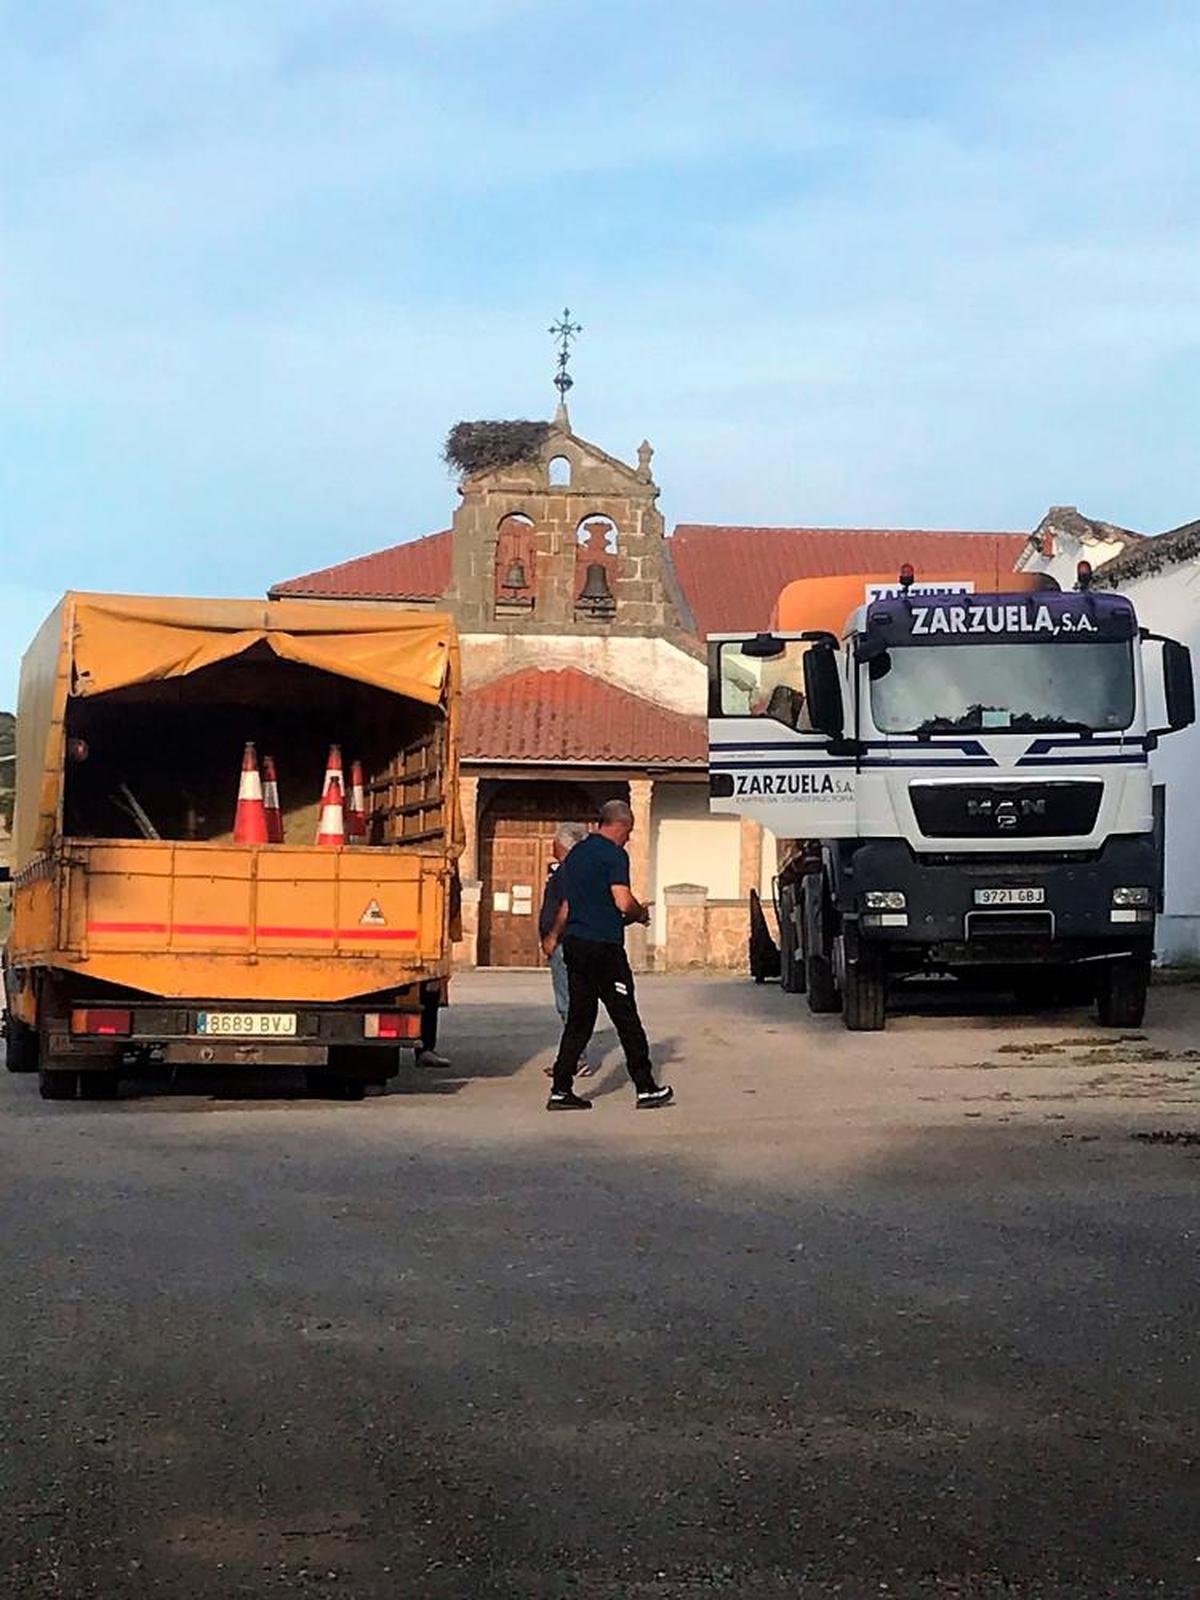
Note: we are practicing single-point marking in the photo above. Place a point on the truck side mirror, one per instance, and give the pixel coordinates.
(823, 690)
(1178, 684)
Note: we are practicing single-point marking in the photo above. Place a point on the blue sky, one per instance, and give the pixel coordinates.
(874, 264)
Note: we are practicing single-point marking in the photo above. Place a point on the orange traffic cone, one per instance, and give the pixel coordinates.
(356, 812)
(331, 829)
(250, 820)
(333, 767)
(271, 801)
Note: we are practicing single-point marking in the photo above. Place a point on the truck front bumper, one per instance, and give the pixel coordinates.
(1074, 921)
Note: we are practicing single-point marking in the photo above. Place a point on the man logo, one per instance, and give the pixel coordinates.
(1006, 814)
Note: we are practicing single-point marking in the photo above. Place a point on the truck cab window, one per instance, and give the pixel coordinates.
(771, 687)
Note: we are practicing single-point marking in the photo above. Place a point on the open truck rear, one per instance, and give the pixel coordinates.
(143, 936)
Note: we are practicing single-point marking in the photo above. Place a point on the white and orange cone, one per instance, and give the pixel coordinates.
(331, 829)
(270, 786)
(333, 767)
(250, 820)
(356, 812)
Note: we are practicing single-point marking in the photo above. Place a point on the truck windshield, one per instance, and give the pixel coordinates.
(1018, 688)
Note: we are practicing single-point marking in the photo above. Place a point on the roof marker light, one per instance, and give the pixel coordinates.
(906, 577)
(1083, 575)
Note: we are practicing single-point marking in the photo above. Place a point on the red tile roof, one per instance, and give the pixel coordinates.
(731, 577)
(418, 570)
(569, 716)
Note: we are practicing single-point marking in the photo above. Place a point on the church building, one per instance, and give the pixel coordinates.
(582, 626)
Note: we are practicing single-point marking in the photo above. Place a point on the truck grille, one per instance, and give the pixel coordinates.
(1006, 811)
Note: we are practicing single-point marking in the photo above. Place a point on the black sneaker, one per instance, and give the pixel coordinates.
(566, 1100)
(658, 1096)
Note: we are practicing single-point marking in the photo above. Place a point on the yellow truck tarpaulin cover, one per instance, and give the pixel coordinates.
(93, 643)
(121, 640)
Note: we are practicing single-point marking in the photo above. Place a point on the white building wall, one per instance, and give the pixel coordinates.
(1167, 602)
(690, 846)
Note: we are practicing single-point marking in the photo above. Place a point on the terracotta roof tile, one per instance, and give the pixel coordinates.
(569, 716)
(731, 576)
(418, 570)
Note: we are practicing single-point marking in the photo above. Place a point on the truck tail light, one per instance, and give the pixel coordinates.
(107, 1023)
(392, 1025)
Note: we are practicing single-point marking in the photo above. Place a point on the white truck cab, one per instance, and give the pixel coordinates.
(970, 773)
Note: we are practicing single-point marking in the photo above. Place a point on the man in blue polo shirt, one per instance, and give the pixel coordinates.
(596, 905)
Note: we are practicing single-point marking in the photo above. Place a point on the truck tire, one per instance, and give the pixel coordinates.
(864, 999)
(99, 1085)
(21, 1046)
(819, 980)
(328, 1084)
(1121, 994)
(791, 954)
(57, 1085)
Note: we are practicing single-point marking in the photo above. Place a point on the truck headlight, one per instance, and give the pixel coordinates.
(1137, 895)
(893, 900)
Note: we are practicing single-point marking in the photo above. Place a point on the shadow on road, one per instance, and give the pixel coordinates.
(451, 1372)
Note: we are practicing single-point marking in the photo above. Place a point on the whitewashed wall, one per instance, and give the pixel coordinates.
(1168, 602)
(688, 845)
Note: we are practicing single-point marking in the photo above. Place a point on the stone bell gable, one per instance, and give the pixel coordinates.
(559, 537)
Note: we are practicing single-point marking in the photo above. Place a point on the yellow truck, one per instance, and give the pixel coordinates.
(144, 937)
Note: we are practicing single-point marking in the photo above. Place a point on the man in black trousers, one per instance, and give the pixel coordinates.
(596, 905)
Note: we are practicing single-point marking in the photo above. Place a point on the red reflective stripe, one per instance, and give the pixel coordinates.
(241, 930)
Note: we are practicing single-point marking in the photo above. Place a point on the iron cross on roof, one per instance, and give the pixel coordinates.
(564, 331)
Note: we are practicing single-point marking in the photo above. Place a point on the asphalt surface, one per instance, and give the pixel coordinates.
(911, 1314)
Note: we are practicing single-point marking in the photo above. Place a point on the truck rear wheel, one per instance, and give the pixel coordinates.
(328, 1083)
(864, 999)
(1121, 995)
(21, 1046)
(99, 1085)
(57, 1085)
(791, 954)
(819, 978)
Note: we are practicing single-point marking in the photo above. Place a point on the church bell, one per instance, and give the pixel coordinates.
(515, 578)
(596, 596)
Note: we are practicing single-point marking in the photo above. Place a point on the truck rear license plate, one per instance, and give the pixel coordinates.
(1010, 897)
(255, 1024)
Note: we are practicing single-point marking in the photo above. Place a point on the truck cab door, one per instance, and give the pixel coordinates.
(777, 748)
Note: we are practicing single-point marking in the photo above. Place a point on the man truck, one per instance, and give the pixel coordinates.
(147, 934)
(963, 777)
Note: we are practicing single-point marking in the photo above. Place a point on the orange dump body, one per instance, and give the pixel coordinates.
(127, 879)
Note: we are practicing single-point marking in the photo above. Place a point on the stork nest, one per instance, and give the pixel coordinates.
(484, 446)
